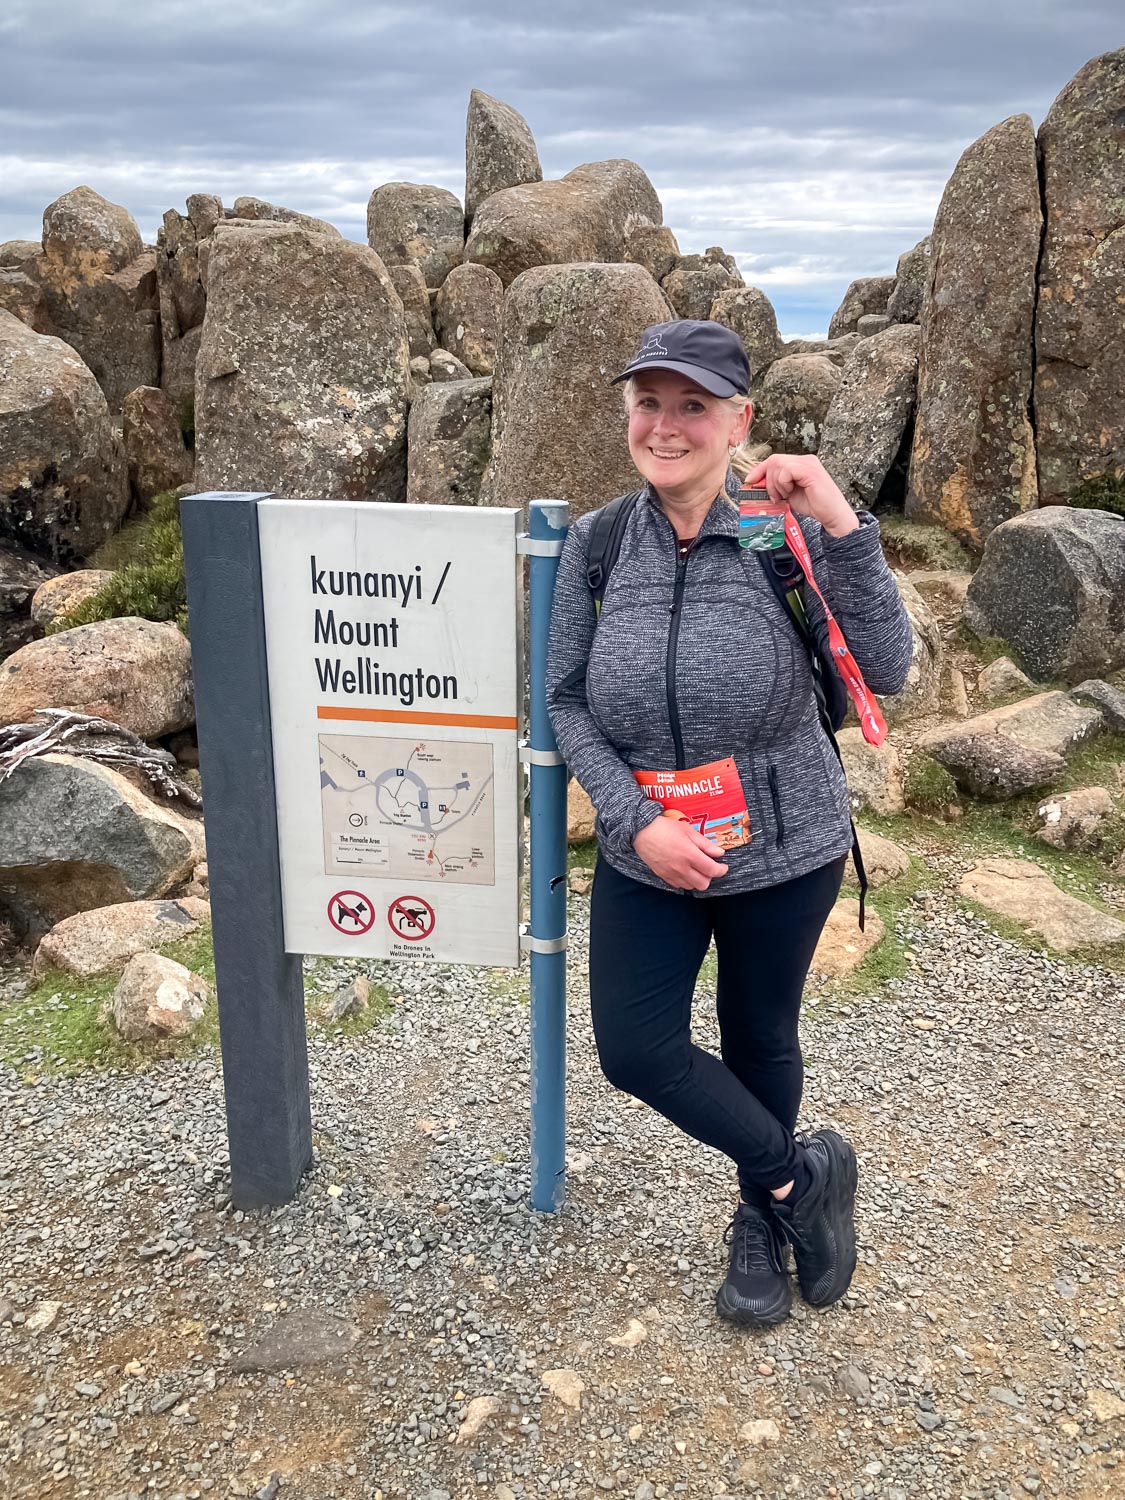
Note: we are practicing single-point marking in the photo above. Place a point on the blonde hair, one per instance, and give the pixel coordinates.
(739, 459)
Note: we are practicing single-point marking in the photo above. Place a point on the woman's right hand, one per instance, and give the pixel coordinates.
(672, 849)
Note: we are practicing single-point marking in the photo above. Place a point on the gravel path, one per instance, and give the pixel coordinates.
(981, 1352)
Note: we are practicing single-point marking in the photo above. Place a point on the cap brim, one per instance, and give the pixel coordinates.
(714, 384)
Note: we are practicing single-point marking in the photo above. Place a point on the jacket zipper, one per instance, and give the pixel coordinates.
(775, 798)
(670, 668)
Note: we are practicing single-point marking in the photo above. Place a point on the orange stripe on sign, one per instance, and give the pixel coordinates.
(401, 716)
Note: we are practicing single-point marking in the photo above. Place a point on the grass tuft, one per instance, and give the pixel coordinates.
(912, 544)
(147, 559)
(928, 786)
(1102, 492)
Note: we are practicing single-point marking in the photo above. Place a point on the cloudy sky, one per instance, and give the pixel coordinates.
(811, 139)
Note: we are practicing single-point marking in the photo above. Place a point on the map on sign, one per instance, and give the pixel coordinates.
(408, 808)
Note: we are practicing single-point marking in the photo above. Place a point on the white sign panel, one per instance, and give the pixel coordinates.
(393, 642)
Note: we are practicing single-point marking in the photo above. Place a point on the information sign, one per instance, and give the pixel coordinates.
(394, 661)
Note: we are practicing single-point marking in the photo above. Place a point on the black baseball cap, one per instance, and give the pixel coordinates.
(705, 352)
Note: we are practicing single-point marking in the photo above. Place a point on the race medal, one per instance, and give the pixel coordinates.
(708, 797)
(761, 523)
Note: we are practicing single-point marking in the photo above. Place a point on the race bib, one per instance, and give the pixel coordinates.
(709, 797)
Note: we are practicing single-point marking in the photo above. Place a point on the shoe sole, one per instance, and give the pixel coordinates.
(844, 1182)
(732, 1312)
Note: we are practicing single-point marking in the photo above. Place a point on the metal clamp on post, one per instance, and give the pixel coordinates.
(532, 757)
(531, 546)
(529, 944)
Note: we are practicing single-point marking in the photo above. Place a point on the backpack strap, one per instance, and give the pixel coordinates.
(605, 543)
(786, 580)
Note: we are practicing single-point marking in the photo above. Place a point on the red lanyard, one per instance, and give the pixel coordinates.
(871, 721)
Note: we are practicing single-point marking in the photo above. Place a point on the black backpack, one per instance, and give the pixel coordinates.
(787, 581)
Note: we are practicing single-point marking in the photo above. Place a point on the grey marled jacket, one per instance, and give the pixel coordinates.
(740, 676)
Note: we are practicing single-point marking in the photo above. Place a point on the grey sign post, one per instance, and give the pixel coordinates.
(261, 996)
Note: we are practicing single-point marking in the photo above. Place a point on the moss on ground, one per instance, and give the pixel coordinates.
(912, 544)
(147, 561)
(928, 786)
(61, 1024)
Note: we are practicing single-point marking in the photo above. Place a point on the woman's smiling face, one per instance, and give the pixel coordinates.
(679, 435)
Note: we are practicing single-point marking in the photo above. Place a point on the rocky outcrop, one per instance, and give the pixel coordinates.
(418, 224)
(1022, 892)
(181, 243)
(564, 328)
(749, 312)
(973, 461)
(303, 368)
(99, 290)
(75, 834)
(258, 211)
(791, 401)
(136, 673)
(911, 276)
(155, 456)
(414, 295)
(869, 294)
(1080, 356)
(653, 246)
(694, 282)
(21, 283)
(101, 940)
(56, 597)
(584, 216)
(839, 351)
(467, 314)
(450, 425)
(157, 997)
(870, 421)
(62, 475)
(499, 150)
(1051, 585)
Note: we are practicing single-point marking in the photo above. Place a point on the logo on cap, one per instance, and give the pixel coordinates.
(651, 347)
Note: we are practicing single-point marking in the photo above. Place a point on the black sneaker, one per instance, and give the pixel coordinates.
(821, 1224)
(756, 1291)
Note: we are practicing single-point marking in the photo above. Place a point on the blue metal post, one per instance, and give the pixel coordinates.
(548, 524)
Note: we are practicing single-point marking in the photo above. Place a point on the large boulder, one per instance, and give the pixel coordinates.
(57, 597)
(694, 282)
(585, 216)
(62, 475)
(791, 401)
(303, 368)
(180, 281)
(102, 939)
(871, 415)
(923, 683)
(653, 246)
(1052, 585)
(21, 575)
(499, 150)
(911, 276)
(990, 764)
(567, 330)
(155, 455)
(134, 672)
(99, 290)
(21, 282)
(450, 427)
(467, 314)
(973, 461)
(874, 773)
(1079, 398)
(1075, 820)
(418, 224)
(414, 295)
(749, 312)
(869, 294)
(75, 834)
(839, 350)
(1055, 722)
(258, 211)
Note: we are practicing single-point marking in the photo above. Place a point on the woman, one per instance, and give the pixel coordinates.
(689, 662)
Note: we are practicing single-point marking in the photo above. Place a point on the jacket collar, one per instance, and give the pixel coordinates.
(721, 519)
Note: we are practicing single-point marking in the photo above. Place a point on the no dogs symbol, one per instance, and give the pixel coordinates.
(351, 913)
(411, 918)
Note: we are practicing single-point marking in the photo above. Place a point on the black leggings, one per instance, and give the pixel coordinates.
(646, 947)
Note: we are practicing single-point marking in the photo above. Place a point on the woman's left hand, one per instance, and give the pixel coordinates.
(801, 481)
